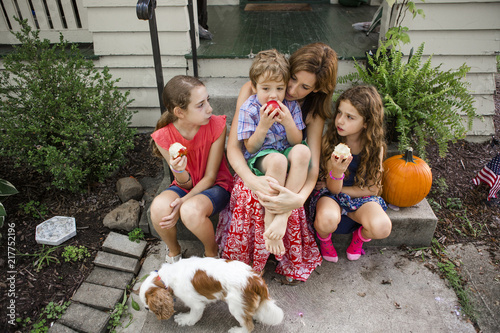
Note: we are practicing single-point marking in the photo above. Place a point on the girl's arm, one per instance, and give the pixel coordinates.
(213, 164)
(235, 154)
(336, 169)
(368, 190)
(179, 163)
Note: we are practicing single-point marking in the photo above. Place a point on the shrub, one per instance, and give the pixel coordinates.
(422, 102)
(60, 115)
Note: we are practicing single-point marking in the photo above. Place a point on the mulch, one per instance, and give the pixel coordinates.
(477, 220)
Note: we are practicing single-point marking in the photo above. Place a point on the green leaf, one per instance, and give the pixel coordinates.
(135, 306)
(6, 188)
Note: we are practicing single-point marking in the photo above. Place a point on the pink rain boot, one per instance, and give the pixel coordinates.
(327, 250)
(355, 249)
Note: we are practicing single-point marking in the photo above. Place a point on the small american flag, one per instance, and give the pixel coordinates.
(490, 175)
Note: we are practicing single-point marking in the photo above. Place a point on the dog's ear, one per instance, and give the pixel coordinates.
(160, 302)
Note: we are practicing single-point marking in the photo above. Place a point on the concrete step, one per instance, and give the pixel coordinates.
(411, 226)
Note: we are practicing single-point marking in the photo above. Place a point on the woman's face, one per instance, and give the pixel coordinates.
(300, 85)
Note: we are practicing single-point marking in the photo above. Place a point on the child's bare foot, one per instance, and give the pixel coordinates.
(276, 247)
(277, 228)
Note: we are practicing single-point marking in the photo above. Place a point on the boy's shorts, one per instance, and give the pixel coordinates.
(218, 195)
(252, 160)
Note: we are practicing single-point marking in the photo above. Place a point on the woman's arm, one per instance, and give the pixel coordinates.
(235, 154)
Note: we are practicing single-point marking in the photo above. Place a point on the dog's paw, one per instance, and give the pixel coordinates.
(237, 329)
(185, 319)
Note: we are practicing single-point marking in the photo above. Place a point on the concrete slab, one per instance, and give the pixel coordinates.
(110, 278)
(99, 297)
(59, 328)
(382, 292)
(120, 244)
(84, 319)
(482, 271)
(411, 226)
(114, 261)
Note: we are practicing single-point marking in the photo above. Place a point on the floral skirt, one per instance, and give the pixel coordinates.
(346, 203)
(240, 236)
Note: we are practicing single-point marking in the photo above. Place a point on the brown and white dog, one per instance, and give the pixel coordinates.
(199, 281)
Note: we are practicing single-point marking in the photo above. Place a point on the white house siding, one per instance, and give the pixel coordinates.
(123, 43)
(457, 32)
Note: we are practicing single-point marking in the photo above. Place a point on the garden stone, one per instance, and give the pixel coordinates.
(124, 217)
(55, 230)
(129, 188)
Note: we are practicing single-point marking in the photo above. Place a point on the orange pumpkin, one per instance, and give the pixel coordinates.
(407, 179)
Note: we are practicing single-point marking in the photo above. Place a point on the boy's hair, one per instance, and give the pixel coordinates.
(272, 65)
(368, 103)
(176, 93)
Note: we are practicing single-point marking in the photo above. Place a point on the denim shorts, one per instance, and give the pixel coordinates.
(218, 195)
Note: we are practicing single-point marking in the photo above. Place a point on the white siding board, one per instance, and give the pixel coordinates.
(481, 83)
(130, 3)
(477, 63)
(141, 61)
(173, 43)
(465, 16)
(468, 43)
(146, 117)
(131, 78)
(123, 19)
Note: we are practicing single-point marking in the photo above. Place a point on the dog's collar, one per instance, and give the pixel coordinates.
(159, 280)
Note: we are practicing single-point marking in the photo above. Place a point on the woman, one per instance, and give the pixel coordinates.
(241, 225)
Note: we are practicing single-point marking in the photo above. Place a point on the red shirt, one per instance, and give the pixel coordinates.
(198, 150)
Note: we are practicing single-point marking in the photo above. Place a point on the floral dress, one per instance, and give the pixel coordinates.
(240, 236)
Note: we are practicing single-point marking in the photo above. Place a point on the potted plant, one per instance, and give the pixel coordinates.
(422, 102)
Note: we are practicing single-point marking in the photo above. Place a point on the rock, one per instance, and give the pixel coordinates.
(124, 217)
(129, 188)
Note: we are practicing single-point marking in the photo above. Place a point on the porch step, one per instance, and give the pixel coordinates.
(412, 226)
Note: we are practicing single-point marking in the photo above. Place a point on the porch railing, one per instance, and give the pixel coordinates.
(51, 17)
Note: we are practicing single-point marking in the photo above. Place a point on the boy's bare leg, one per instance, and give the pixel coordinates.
(299, 158)
(275, 246)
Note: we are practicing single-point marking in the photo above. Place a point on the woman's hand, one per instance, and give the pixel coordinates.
(261, 184)
(171, 220)
(284, 202)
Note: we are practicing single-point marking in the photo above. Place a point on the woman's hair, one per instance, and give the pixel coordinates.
(368, 103)
(176, 93)
(321, 60)
(270, 64)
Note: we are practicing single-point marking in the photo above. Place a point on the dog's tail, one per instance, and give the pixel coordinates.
(269, 313)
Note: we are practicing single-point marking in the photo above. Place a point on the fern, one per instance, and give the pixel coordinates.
(422, 102)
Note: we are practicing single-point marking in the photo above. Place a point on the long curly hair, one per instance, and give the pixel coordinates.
(368, 103)
(176, 93)
(321, 60)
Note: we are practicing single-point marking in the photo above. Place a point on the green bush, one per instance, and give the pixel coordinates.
(60, 115)
(422, 102)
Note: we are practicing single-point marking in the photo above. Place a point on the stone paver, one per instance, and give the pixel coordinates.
(120, 244)
(110, 277)
(85, 319)
(60, 328)
(99, 297)
(114, 261)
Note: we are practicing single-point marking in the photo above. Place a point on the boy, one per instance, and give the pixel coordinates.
(271, 130)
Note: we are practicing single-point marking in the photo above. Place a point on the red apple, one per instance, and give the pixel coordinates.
(273, 105)
(183, 152)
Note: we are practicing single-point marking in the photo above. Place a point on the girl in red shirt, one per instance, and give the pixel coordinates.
(202, 182)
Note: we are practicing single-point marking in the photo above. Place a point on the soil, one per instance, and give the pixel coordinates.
(461, 207)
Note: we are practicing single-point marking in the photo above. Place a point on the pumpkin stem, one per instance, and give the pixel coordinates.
(408, 156)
